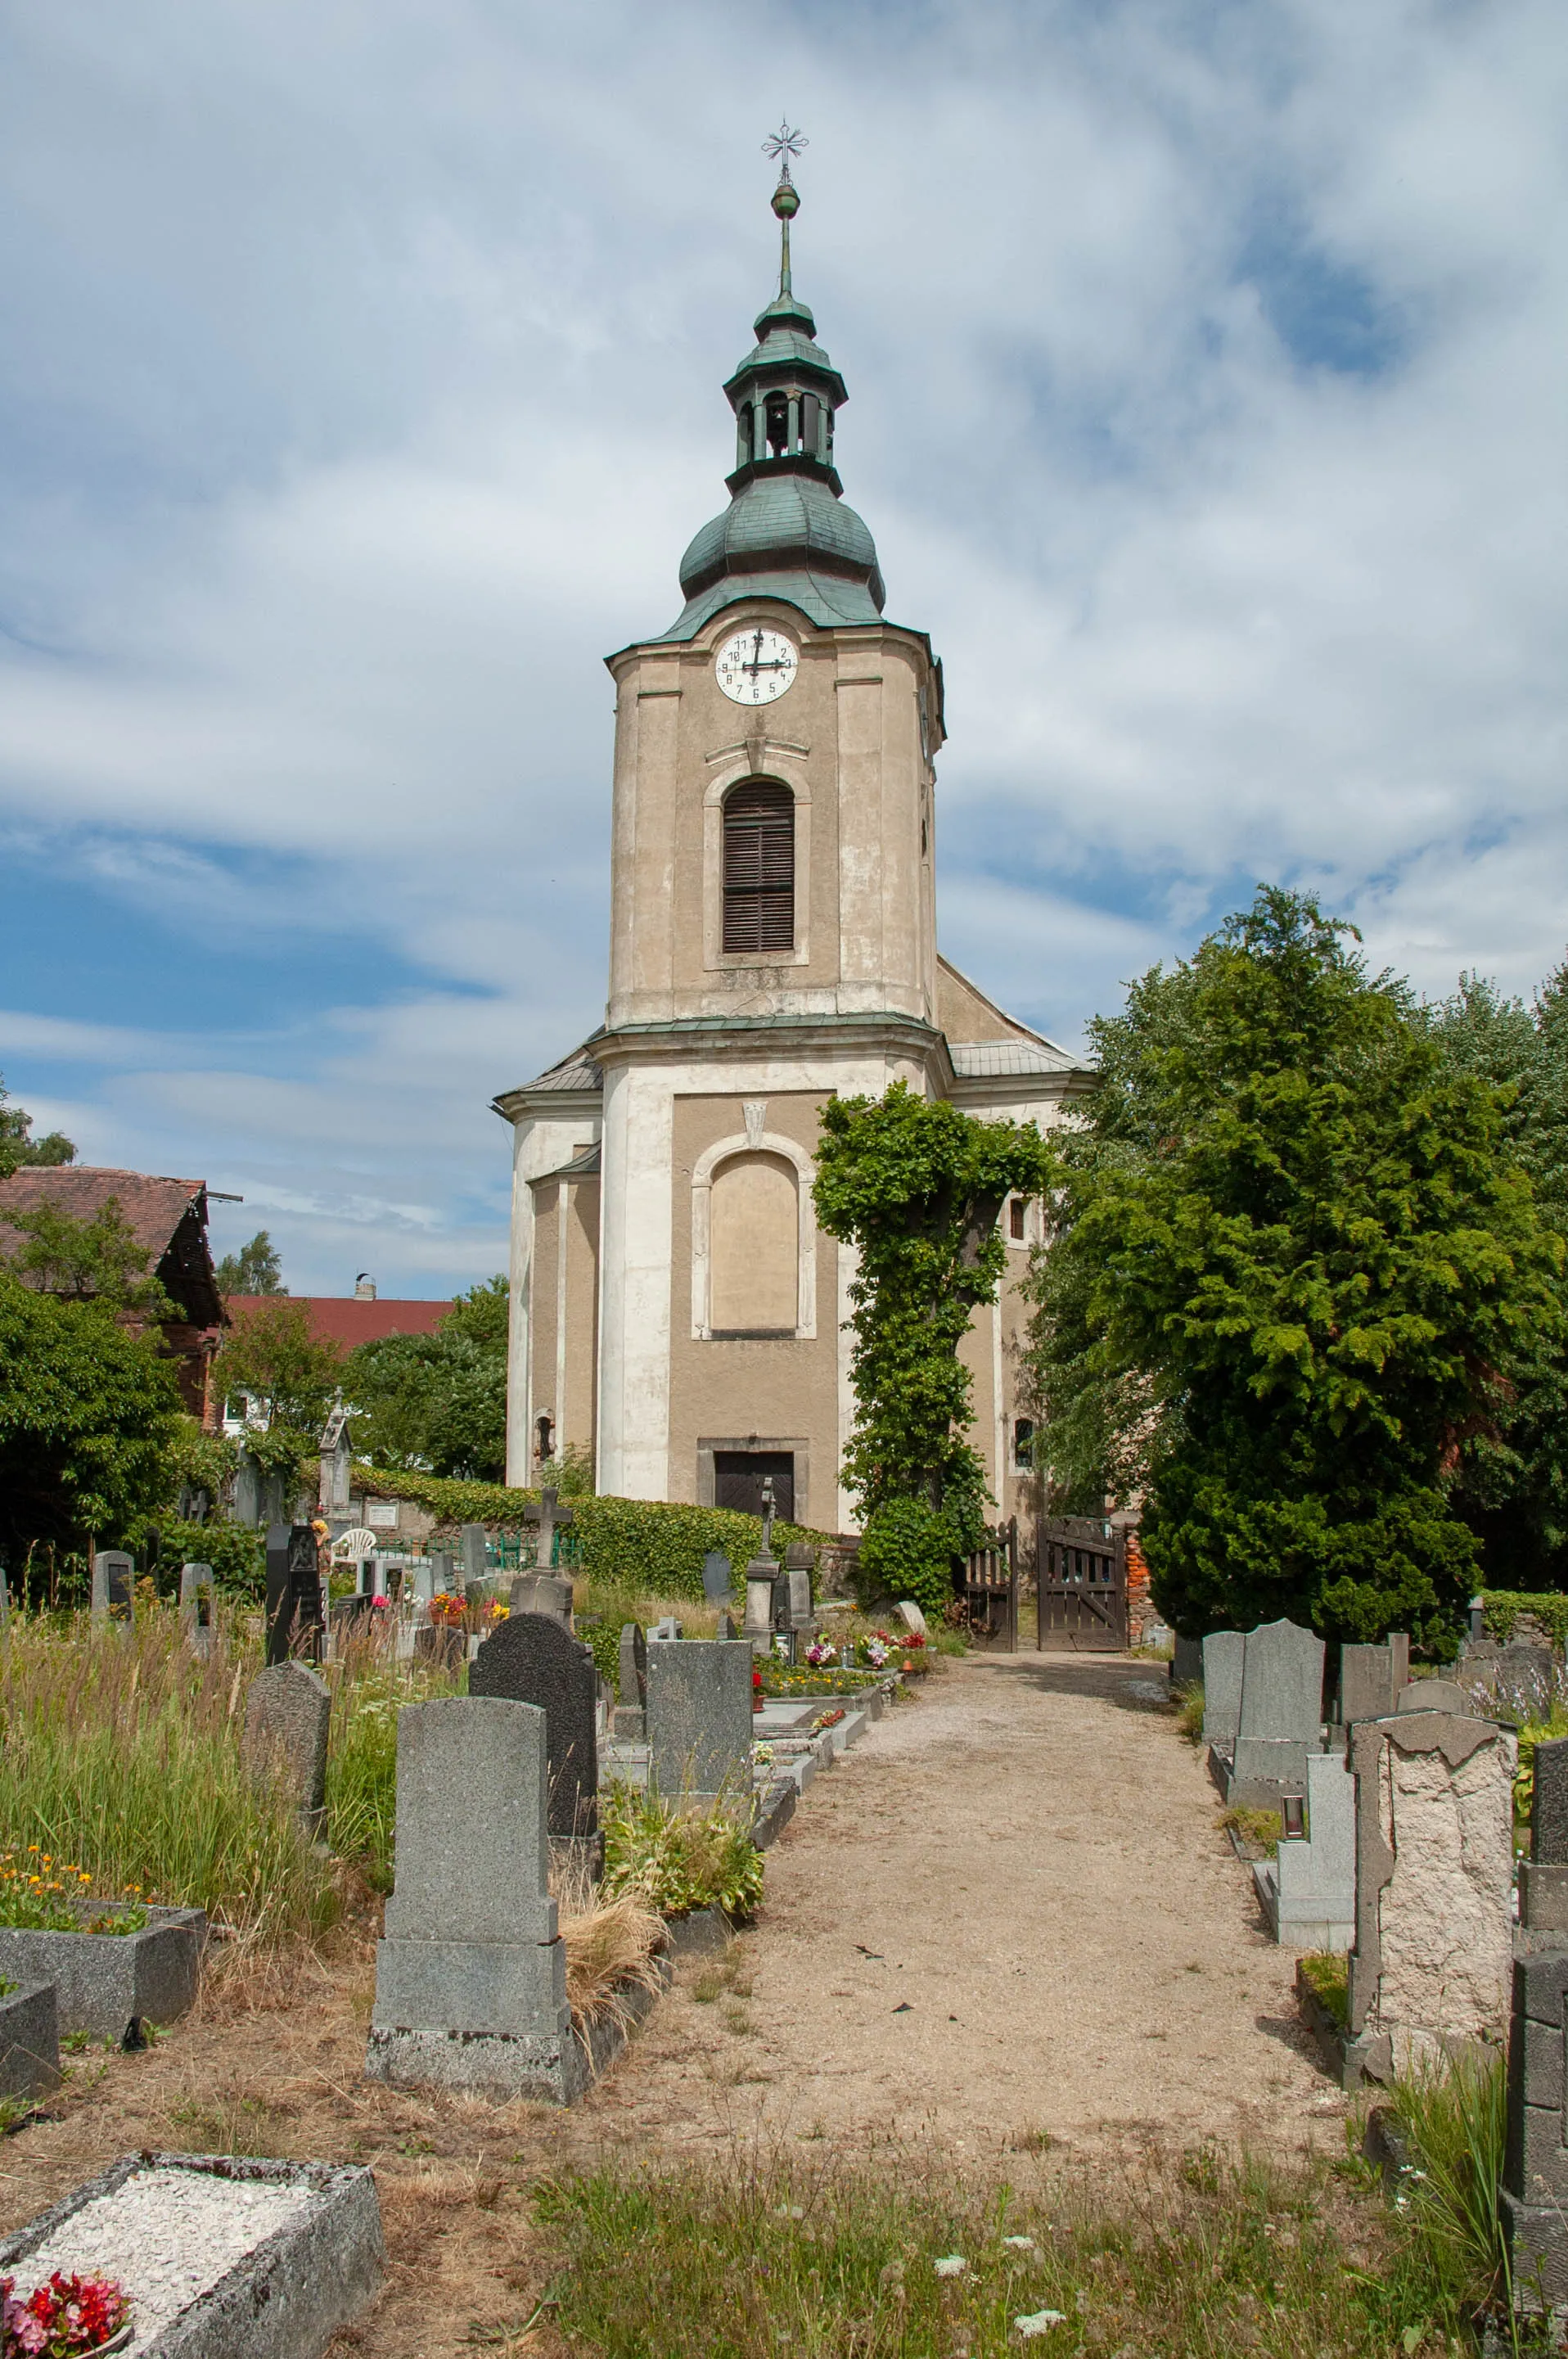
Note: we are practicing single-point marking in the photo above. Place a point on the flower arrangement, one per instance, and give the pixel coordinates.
(39, 1894)
(822, 1651)
(446, 1611)
(68, 2315)
(756, 1690)
(496, 1612)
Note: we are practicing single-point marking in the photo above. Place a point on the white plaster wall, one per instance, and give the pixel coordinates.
(634, 1285)
(539, 1144)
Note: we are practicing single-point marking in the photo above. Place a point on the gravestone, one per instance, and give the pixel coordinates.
(759, 1623)
(547, 1519)
(443, 1572)
(726, 1629)
(1432, 1695)
(474, 1551)
(543, 1592)
(533, 1658)
(113, 1586)
(293, 1593)
(1222, 1657)
(288, 1711)
(1434, 1885)
(699, 1719)
(910, 1614)
(423, 1581)
(195, 1598)
(668, 1628)
(631, 1712)
(1187, 1662)
(441, 1645)
(1281, 1715)
(1533, 2198)
(717, 1576)
(1370, 1678)
(1308, 1889)
(798, 1598)
(1543, 1876)
(247, 1492)
(470, 1982)
(336, 1462)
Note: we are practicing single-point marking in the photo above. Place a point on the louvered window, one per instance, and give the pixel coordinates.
(758, 870)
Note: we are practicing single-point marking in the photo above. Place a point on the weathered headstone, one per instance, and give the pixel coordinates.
(631, 1712)
(798, 1594)
(1370, 1678)
(443, 1572)
(470, 1986)
(1223, 1651)
(717, 1576)
(247, 1490)
(475, 1552)
(1534, 2194)
(910, 1614)
(113, 1586)
(759, 1623)
(196, 1597)
(547, 1519)
(293, 1593)
(336, 1459)
(533, 1658)
(289, 1711)
(1543, 1876)
(1308, 1889)
(543, 1592)
(726, 1628)
(442, 1644)
(1281, 1714)
(1432, 1695)
(1434, 1884)
(699, 1718)
(1187, 1662)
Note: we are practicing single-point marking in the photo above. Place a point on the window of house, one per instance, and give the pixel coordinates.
(1023, 1445)
(1015, 1213)
(754, 1247)
(758, 869)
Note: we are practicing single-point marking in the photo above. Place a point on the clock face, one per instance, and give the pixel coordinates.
(756, 666)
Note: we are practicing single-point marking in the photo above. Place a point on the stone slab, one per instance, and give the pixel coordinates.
(105, 1981)
(515, 1988)
(776, 1808)
(1548, 1804)
(552, 2069)
(1187, 1662)
(1433, 1695)
(29, 2041)
(1223, 1651)
(634, 1667)
(472, 1855)
(699, 1716)
(223, 2257)
(1370, 1678)
(542, 1592)
(533, 1658)
(1282, 1691)
(1543, 1898)
(289, 1714)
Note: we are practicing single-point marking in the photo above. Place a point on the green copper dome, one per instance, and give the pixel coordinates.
(786, 533)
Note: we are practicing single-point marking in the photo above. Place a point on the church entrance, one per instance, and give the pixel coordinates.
(738, 1476)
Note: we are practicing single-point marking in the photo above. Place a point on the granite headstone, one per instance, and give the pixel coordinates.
(1281, 1707)
(289, 1711)
(631, 1712)
(543, 1592)
(293, 1593)
(1543, 1876)
(196, 1595)
(534, 1659)
(113, 1585)
(1370, 1678)
(1223, 1651)
(699, 1718)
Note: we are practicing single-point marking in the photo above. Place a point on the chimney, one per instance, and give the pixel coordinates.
(365, 1287)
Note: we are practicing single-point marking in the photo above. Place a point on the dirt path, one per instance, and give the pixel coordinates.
(1009, 1910)
(1005, 1926)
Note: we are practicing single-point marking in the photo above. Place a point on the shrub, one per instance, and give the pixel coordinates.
(1503, 1608)
(678, 1860)
(368, 1689)
(1327, 1975)
(236, 1554)
(906, 1550)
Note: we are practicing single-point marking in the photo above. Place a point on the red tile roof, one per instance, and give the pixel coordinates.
(345, 1319)
(167, 1217)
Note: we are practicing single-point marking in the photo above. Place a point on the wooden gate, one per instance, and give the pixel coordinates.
(990, 1591)
(1082, 1586)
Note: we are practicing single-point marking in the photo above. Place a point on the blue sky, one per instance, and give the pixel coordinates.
(360, 390)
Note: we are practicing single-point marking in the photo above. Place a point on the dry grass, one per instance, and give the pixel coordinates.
(614, 1947)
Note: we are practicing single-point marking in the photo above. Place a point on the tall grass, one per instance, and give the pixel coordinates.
(1454, 2113)
(1197, 2260)
(369, 1686)
(119, 1750)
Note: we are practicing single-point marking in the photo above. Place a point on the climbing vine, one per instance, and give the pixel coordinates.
(917, 1187)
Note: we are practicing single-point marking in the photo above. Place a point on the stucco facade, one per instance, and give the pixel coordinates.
(674, 1307)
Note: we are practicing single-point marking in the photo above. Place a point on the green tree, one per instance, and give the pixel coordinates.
(254, 1269)
(917, 1187)
(17, 1145)
(1513, 1483)
(272, 1354)
(436, 1404)
(89, 1416)
(92, 1260)
(1291, 1253)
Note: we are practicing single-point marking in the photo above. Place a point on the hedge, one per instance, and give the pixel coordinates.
(1504, 1606)
(640, 1545)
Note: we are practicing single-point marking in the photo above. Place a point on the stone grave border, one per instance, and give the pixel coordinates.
(105, 1981)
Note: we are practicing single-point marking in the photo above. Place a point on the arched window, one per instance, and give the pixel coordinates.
(759, 868)
(755, 1271)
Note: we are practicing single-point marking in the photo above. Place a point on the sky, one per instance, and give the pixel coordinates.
(360, 390)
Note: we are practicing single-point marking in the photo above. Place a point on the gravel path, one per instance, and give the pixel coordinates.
(1008, 1917)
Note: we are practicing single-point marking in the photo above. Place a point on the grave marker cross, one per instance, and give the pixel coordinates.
(549, 1518)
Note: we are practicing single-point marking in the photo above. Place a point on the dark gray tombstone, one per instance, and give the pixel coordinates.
(1187, 1662)
(113, 1586)
(727, 1627)
(1534, 2194)
(1543, 1876)
(543, 1592)
(699, 1719)
(534, 1659)
(293, 1594)
(470, 1983)
(1222, 1657)
(1477, 1617)
(475, 1555)
(717, 1576)
(364, 1585)
(1370, 1678)
(288, 1714)
(630, 1722)
(196, 1595)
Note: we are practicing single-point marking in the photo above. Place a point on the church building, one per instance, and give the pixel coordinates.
(675, 1310)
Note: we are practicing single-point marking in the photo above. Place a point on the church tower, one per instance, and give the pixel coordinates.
(773, 942)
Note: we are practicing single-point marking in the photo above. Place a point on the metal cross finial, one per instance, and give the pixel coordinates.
(783, 143)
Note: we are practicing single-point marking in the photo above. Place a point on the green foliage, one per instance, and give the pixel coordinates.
(236, 1554)
(361, 1755)
(254, 1269)
(437, 1403)
(17, 1145)
(1532, 1733)
(907, 1551)
(1291, 1256)
(678, 1860)
(917, 1188)
(603, 1641)
(88, 1415)
(1502, 1608)
(482, 1315)
(94, 1260)
(638, 1546)
(572, 1470)
(1327, 1975)
(272, 1354)
(1217, 2255)
(1454, 2115)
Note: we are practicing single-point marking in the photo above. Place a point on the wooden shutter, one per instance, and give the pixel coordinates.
(758, 870)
